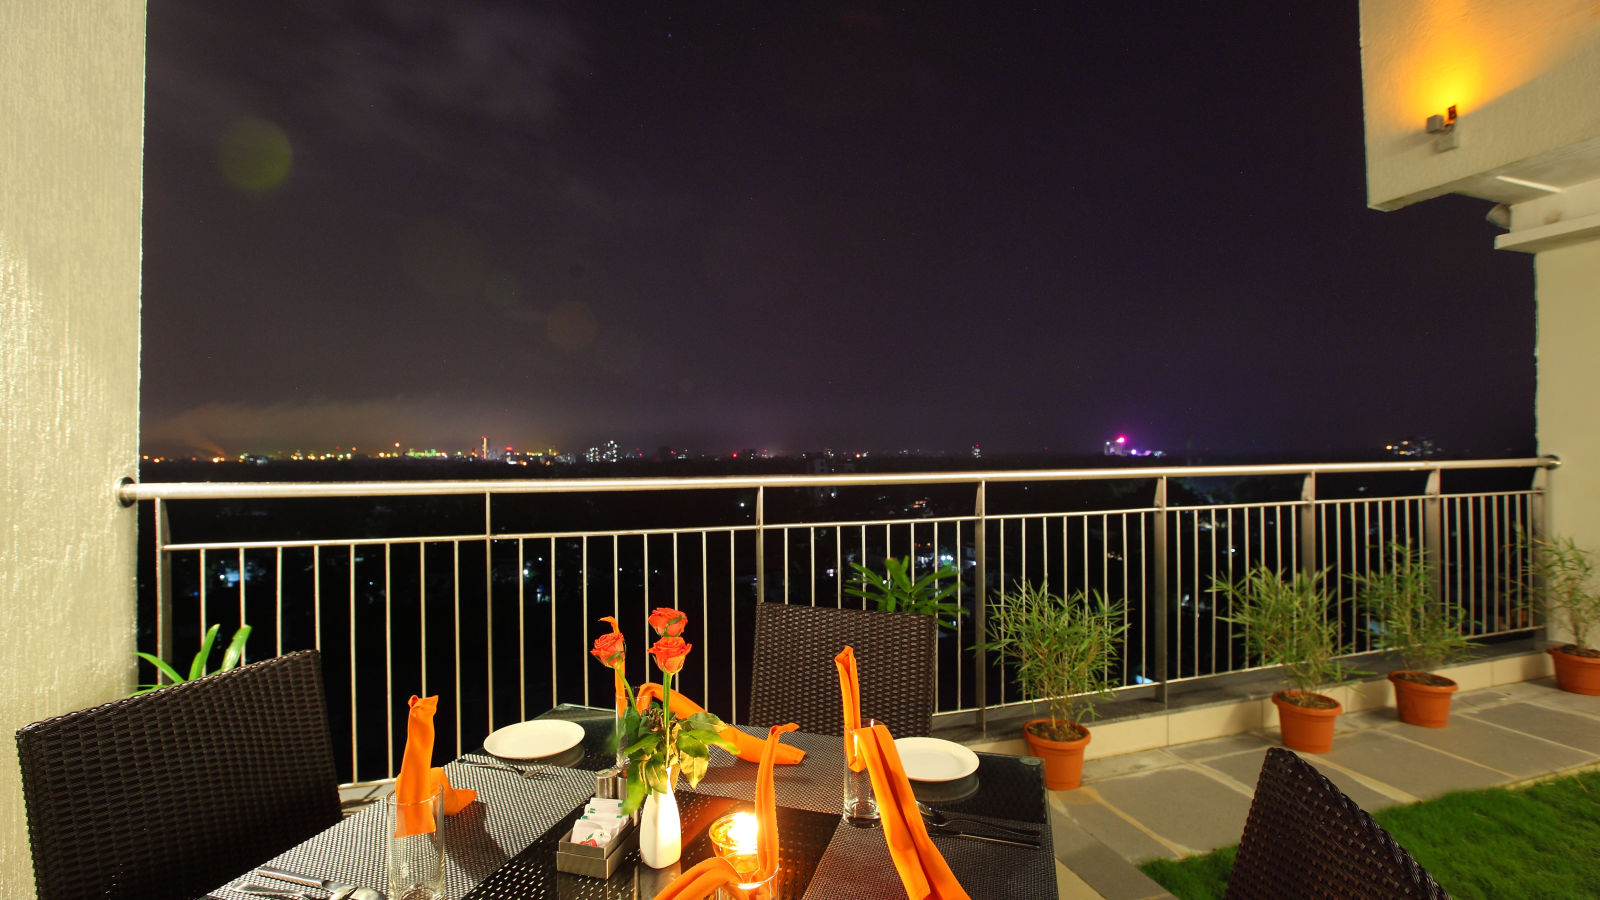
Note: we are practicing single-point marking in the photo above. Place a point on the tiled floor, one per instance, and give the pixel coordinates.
(1191, 798)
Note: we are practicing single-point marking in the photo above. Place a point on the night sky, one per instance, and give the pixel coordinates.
(728, 225)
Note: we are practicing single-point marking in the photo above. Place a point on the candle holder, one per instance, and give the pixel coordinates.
(734, 838)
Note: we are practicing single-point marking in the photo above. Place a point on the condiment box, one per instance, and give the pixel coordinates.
(596, 862)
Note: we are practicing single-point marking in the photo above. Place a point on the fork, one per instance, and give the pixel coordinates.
(525, 773)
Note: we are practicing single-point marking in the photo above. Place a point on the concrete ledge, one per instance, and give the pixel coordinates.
(1150, 726)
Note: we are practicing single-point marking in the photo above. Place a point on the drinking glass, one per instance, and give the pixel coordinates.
(860, 804)
(416, 852)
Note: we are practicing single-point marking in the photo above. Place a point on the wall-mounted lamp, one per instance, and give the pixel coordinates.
(1445, 128)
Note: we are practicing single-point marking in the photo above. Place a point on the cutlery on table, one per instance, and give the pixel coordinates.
(937, 819)
(525, 773)
(261, 890)
(349, 891)
(967, 835)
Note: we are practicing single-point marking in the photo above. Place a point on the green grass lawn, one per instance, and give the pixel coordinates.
(1540, 841)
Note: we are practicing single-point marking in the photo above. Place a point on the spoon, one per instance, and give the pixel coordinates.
(938, 820)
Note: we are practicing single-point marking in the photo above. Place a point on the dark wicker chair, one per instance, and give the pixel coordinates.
(172, 793)
(794, 678)
(1305, 838)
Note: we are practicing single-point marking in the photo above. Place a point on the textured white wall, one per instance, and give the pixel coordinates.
(1568, 281)
(1524, 75)
(71, 144)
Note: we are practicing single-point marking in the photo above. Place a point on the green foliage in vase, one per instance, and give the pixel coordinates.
(1416, 622)
(1286, 623)
(197, 667)
(1563, 577)
(1060, 649)
(894, 591)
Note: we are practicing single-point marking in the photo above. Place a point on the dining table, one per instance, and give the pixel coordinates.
(503, 846)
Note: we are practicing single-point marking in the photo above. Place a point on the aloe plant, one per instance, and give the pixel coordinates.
(197, 667)
(894, 591)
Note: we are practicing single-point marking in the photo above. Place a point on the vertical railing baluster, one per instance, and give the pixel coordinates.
(980, 585)
(1163, 594)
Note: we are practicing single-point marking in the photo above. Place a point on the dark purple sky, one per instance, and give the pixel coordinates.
(725, 225)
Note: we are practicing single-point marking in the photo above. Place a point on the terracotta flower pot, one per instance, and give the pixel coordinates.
(1427, 705)
(1575, 672)
(1063, 760)
(1306, 728)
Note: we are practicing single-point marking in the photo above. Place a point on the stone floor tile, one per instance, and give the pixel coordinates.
(1122, 764)
(1184, 806)
(1407, 767)
(1222, 746)
(1245, 768)
(1104, 870)
(1574, 730)
(1516, 754)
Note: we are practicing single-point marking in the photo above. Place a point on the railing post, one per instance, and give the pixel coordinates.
(163, 563)
(1162, 593)
(1308, 524)
(1433, 532)
(488, 597)
(980, 586)
(761, 545)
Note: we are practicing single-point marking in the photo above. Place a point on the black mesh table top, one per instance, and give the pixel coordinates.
(503, 846)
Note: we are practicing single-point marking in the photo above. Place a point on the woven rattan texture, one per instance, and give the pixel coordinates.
(169, 793)
(1304, 838)
(794, 678)
(511, 813)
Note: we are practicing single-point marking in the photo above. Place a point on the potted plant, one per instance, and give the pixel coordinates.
(894, 591)
(1564, 578)
(1416, 623)
(1061, 649)
(1286, 624)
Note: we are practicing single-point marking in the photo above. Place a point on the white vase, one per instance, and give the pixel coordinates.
(660, 832)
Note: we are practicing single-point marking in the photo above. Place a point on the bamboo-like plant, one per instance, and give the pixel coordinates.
(1564, 575)
(197, 667)
(1416, 622)
(1061, 649)
(1286, 624)
(894, 591)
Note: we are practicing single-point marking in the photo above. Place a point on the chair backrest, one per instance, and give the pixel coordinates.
(1305, 838)
(793, 677)
(172, 793)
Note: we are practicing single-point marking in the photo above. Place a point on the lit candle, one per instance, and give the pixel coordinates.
(734, 837)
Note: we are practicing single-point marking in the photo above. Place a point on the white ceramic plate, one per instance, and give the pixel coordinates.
(931, 759)
(534, 739)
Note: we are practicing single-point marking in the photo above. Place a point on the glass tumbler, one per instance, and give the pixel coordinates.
(416, 847)
(860, 804)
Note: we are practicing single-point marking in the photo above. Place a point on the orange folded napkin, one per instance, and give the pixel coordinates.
(749, 748)
(709, 875)
(922, 869)
(850, 690)
(418, 778)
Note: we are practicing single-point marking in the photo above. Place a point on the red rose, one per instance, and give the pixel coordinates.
(669, 653)
(608, 649)
(668, 622)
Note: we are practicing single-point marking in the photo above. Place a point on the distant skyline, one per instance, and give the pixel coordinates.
(728, 225)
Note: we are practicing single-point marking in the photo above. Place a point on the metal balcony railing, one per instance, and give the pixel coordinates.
(487, 592)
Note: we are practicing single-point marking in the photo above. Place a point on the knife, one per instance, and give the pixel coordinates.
(1031, 845)
(354, 893)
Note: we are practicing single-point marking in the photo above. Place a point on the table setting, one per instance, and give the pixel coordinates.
(544, 810)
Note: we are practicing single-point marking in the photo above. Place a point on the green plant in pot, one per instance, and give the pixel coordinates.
(895, 591)
(1286, 624)
(1060, 649)
(1563, 576)
(1418, 625)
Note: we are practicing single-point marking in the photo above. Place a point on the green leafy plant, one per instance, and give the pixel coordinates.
(197, 668)
(1061, 649)
(1416, 622)
(1286, 624)
(1563, 576)
(894, 591)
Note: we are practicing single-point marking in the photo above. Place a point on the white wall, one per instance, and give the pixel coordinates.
(1568, 281)
(1523, 74)
(71, 144)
